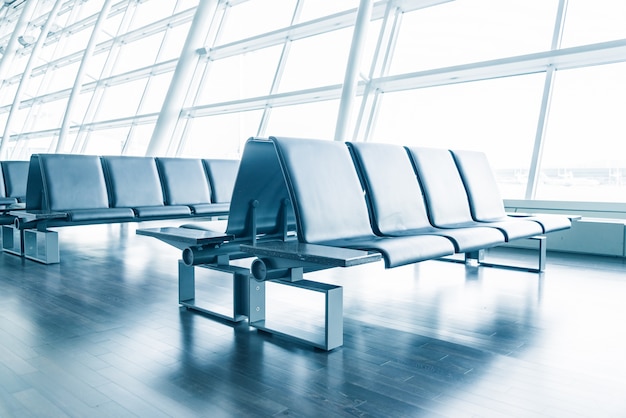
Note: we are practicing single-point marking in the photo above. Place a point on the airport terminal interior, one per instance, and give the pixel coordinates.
(119, 298)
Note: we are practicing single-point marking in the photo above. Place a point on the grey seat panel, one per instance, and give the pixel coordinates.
(484, 196)
(331, 209)
(447, 198)
(73, 182)
(222, 174)
(184, 181)
(397, 203)
(15, 175)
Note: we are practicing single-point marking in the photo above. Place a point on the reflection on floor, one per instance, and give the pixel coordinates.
(101, 335)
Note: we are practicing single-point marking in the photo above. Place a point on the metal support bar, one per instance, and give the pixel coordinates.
(477, 258)
(12, 240)
(41, 246)
(239, 301)
(332, 336)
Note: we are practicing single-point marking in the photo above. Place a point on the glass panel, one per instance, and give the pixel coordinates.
(121, 100)
(228, 134)
(139, 139)
(241, 76)
(589, 22)
(310, 120)
(138, 54)
(47, 115)
(583, 157)
(317, 61)
(314, 9)
(62, 77)
(174, 41)
(461, 32)
(255, 17)
(150, 11)
(23, 149)
(157, 90)
(498, 117)
(106, 142)
(71, 43)
(220, 136)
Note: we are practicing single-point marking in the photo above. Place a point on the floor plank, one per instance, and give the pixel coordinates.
(101, 334)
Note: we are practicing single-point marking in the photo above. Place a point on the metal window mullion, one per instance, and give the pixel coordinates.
(78, 81)
(348, 93)
(280, 70)
(82, 136)
(200, 78)
(26, 75)
(379, 68)
(12, 46)
(163, 134)
(542, 122)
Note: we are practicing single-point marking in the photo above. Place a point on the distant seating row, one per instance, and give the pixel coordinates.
(13, 176)
(302, 205)
(65, 190)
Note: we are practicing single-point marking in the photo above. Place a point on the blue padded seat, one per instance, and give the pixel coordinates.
(186, 183)
(134, 183)
(330, 207)
(484, 196)
(75, 184)
(447, 200)
(4, 200)
(396, 201)
(15, 175)
(221, 174)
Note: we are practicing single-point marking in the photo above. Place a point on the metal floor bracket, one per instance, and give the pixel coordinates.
(187, 290)
(332, 335)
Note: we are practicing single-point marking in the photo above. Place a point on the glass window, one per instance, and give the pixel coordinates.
(121, 100)
(221, 136)
(138, 54)
(150, 11)
(313, 9)
(310, 120)
(139, 139)
(463, 31)
(240, 76)
(255, 17)
(106, 141)
(498, 117)
(174, 41)
(317, 61)
(156, 92)
(61, 78)
(47, 115)
(583, 158)
(589, 22)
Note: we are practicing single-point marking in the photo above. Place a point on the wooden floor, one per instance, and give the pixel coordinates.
(101, 335)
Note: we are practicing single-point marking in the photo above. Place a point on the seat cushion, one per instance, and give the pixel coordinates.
(101, 215)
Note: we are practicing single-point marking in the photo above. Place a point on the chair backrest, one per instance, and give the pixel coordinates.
(73, 182)
(259, 181)
(393, 191)
(15, 175)
(133, 181)
(325, 188)
(222, 175)
(444, 191)
(3, 192)
(480, 183)
(184, 181)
